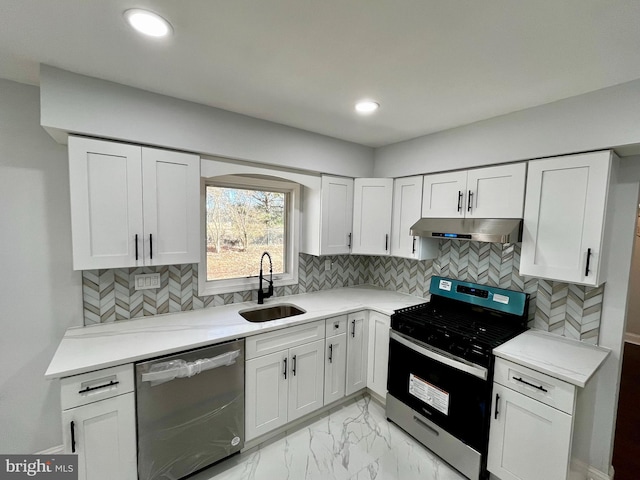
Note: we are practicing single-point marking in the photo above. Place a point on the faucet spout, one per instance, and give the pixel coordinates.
(261, 294)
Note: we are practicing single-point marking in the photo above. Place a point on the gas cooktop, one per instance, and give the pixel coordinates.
(464, 319)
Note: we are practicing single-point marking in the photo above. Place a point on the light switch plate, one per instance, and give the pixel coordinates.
(147, 281)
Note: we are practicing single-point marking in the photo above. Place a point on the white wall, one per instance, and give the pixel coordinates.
(86, 105)
(593, 121)
(40, 295)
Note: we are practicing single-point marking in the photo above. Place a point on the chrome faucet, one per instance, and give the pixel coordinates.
(261, 294)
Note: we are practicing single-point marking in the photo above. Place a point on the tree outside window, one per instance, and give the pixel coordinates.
(240, 225)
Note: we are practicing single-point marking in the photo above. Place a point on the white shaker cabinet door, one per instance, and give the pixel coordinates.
(407, 204)
(171, 191)
(103, 435)
(306, 384)
(496, 192)
(335, 368)
(444, 195)
(337, 215)
(528, 440)
(564, 218)
(106, 204)
(378, 353)
(266, 393)
(357, 333)
(372, 204)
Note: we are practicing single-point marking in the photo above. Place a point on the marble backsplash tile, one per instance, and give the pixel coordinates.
(570, 310)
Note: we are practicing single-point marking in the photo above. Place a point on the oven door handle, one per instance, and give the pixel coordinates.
(474, 370)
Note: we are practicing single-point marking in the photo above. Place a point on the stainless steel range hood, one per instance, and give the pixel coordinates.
(495, 230)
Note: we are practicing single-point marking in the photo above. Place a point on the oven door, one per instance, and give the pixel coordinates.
(453, 394)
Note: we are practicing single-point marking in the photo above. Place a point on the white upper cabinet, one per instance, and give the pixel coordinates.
(337, 215)
(407, 200)
(327, 217)
(491, 192)
(496, 192)
(132, 205)
(372, 216)
(564, 218)
(443, 195)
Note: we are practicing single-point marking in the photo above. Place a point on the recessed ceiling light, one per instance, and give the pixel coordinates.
(367, 106)
(147, 22)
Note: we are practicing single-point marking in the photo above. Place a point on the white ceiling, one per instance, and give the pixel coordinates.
(431, 64)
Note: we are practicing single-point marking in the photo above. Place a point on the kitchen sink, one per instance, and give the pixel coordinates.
(265, 314)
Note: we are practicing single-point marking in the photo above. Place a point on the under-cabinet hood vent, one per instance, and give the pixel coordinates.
(494, 230)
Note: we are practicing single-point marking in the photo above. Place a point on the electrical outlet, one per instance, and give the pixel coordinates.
(147, 281)
(327, 265)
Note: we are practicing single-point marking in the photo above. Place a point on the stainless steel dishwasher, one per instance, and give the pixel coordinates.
(190, 410)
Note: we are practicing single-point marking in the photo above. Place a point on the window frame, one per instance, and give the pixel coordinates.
(291, 234)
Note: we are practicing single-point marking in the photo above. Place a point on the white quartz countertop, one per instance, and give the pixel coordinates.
(560, 357)
(94, 347)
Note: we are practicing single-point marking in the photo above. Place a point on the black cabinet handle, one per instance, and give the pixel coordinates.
(586, 270)
(459, 200)
(331, 353)
(98, 387)
(349, 241)
(353, 328)
(293, 369)
(285, 369)
(539, 387)
(469, 201)
(136, 246)
(73, 437)
(386, 242)
(414, 245)
(495, 410)
(151, 246)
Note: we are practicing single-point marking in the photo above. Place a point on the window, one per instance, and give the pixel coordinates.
(242, 218)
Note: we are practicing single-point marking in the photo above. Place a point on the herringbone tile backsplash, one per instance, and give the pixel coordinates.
(565, 309)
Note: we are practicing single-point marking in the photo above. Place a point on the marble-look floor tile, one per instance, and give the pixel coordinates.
(350, 442)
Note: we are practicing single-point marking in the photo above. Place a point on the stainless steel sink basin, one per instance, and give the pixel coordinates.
(274, 312)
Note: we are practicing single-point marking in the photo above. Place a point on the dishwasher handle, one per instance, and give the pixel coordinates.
(163, 372)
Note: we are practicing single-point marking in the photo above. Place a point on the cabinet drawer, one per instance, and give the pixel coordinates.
(98, 385)
(277, 340)
(548, 390)
(336, 325)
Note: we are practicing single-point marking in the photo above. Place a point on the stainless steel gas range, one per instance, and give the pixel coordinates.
(441, 367)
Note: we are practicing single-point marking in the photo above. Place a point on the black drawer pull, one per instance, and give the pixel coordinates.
(469, 201)
(136, 246)
(353, 328)
(151, 246)
(539, 387)
(331, 353)
(459, 200)
(98, 387)
(349, 241)
(285, 369)
(495, 409)
(293, 369)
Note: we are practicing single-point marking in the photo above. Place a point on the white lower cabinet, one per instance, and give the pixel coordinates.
(378, 353)
(306, 387)
(357, 333)
(531, 425)
(335, 367)
(286, 384)
(99, 423)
